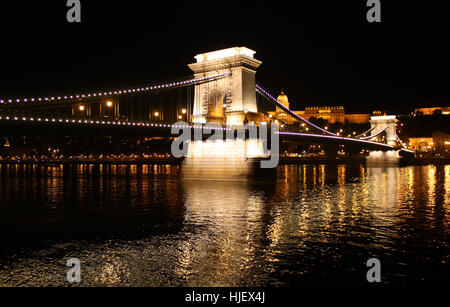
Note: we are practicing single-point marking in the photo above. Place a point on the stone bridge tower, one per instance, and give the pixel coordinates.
(225, 100)
(378, 123)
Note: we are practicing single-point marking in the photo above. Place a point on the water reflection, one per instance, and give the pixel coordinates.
(142, 225)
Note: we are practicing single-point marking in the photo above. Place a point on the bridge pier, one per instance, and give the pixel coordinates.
(383, 158)
(378, 123)
(228, 160)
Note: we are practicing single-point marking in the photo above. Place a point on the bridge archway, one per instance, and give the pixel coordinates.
(385, 123)
(238, 89)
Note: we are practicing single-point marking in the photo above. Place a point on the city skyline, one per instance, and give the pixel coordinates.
(251, 146)
(334, 58)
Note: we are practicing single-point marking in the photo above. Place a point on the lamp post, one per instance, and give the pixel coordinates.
(183, 114)
(109, 104)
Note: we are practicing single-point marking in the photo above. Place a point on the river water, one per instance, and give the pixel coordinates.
(314, 225)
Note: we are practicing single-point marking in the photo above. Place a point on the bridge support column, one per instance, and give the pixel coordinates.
(383, 158)
(229, 160)
(378, 123)
(228, 98)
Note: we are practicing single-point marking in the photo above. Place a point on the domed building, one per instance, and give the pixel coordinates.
(284, 101)
(279, 113)
(332, 114)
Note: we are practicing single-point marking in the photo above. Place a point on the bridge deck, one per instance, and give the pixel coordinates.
(81, 127)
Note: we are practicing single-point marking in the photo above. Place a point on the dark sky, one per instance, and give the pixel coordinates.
(320, 52)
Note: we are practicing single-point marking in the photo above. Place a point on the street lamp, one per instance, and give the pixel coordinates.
(109, 103)
(183, 111)
(81, 108)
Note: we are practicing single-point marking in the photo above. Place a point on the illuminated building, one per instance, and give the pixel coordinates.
(332, 114)
(431, 110)
(420, 143)
(438, 140)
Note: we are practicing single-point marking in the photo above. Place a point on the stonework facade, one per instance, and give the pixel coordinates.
(225, 100)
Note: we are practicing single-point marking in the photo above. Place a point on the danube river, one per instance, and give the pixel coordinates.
(314, 225)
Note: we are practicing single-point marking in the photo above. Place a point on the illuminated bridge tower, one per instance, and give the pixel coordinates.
(225, 100)
(379, 123)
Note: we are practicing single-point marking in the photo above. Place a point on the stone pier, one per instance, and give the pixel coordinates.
(230, 160)
(383, 158)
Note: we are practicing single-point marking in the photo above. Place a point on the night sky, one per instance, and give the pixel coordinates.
(320, 52)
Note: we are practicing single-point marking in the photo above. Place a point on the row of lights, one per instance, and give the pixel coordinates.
(116, 123)
(335, 137)
(403, 144)
(109, 104)
(109, 93)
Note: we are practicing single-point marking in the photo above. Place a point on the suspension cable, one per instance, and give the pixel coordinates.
(262, 92)
(375, 135)
(111, 93)
(364, 133)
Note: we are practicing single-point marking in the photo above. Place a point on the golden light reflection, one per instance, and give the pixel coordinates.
(447, 186)
(113, 272)
(227, 230)
(322, 175)
(431, 185)
(223, 213)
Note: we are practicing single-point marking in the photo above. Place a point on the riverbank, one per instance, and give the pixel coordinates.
(347, 160)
